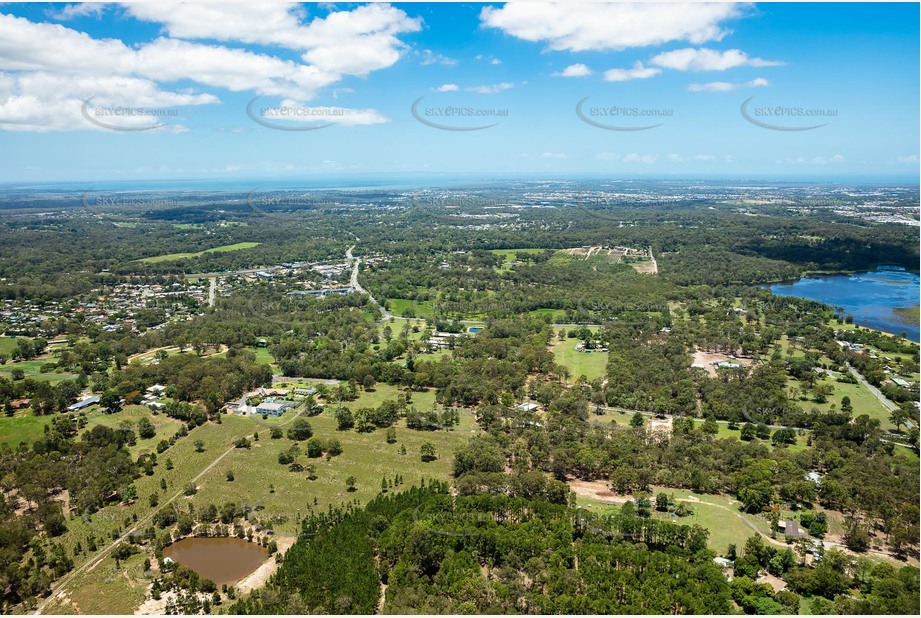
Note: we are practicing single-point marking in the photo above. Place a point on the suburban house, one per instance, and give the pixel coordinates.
(790, 529)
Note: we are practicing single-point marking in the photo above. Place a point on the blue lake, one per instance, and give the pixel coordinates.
(870, 297)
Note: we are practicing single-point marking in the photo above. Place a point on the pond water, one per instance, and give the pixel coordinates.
(222, 560)
(871, 297)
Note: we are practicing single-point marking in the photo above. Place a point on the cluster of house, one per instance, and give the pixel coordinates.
(331, 271)
(440, 341)
(113, 307)
(727, 365)
(889, 369)
(596, 346)
(151, 398)
(272, 401)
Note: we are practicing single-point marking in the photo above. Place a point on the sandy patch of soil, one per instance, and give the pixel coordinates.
(776, 583)
(260, 576)
(599, 490)
(705, 360)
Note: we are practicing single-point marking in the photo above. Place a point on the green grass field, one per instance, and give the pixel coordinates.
(180, 256)
(367, 456)
(164, 425)
(718, 513)
(555, 314)
(264, 357)
(863, 401)
(7, 345)
(399, 306)
(24, 427)
(33, 369)
(509, 256)
(590, 364)
(123, 595)
(107, 589)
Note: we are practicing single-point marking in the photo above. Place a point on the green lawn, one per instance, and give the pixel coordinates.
(30, 366)
(382, 392)
(717, 513)
(509, 254)
(22, 428)
(180, 256)
(399, 306)
(555, 314)
(862, 400)
(33, 369)
(7, 345)
(590, 364)
(263, 356)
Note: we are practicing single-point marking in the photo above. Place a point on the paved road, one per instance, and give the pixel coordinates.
(356, 262)
(212, 288)
(876, 392)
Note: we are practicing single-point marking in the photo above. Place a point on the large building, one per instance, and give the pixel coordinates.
(274, 408)
(85, 403)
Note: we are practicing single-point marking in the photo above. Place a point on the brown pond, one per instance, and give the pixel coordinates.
(222, 560)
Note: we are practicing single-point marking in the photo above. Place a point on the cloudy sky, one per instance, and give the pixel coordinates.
(279, 90)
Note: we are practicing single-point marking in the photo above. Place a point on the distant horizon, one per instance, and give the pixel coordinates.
(386, 179)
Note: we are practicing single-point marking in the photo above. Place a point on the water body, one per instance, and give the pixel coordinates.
(222, 560)
(870, 297)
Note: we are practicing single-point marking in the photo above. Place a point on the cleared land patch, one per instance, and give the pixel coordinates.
(592, 364)
(181, 256)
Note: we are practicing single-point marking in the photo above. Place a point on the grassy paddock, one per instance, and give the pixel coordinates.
(7, 345)
(24, 427)
(367, 456)
(590, 364)
(180, 256)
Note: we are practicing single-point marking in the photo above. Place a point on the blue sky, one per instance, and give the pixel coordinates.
(68, 72)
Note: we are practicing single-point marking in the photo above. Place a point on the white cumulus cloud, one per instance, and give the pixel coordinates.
(637, 72)
(728, 86)
(574, 70)
(490, 89)
(610, 26)
(704, 59)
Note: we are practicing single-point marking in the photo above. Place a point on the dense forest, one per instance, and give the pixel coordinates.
(424, 551)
